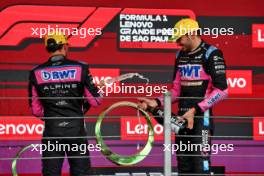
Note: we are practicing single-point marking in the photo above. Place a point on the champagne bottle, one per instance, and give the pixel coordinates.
(176, 123)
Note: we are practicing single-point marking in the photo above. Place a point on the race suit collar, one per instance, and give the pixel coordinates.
(197, 49)
(56, 58)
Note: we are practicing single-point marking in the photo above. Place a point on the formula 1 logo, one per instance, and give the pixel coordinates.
(190, 71)
(59, 75)
(15, 28)
(32, 18)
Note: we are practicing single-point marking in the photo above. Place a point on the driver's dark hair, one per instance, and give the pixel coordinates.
(52, 46)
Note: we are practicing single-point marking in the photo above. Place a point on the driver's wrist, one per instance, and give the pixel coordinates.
(158, 103)
(197, 108)
(193, 110)
(153, 106)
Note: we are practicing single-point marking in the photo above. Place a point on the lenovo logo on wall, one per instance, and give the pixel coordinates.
(103, 75)
(100, 74)
(258, 128)
(20, 128)
(258, 35)
(135, 128)
(239, 81)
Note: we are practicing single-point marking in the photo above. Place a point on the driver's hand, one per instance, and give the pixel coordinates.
(144, 103)
(189, 116)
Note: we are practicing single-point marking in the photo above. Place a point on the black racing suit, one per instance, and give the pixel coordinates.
(61, 91)
(200, 73)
